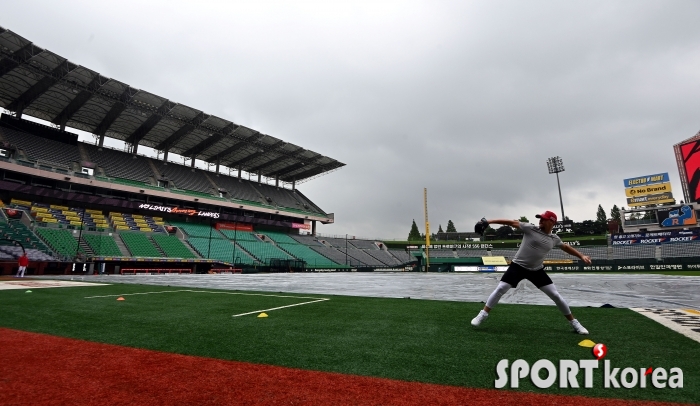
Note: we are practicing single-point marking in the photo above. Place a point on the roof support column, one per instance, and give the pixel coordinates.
(165, 156)
(239, 172)
(192, 163)
(134, 148)
(277, 181)
(294, 185)
(258, 177)
(218, 163)
(20, 110)
(102, 140)
(313, 227)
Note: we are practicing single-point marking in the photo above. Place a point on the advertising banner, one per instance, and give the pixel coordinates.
(178, 210)
(580, 267)
(677, 216)
(650, 199)
(616, 267)
(654, 241)
(646, 180)
(494, 260)
(566, 226)
(558, 261)
(480, 268)
(655, 234)
(649, 190)
(661, 237)
(234, 226)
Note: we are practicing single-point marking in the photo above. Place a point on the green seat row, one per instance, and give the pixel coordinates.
(280, 238)
(103, 245)
(222, 250)
(60, 240)
(264, 251)
(139, 245)
(197, 230)
(313, 259)
(240, 235)
(16, 230)
(172, 246)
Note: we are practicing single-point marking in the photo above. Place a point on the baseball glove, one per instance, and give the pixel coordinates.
(481, 226)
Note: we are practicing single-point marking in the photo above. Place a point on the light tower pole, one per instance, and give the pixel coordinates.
(555, 165)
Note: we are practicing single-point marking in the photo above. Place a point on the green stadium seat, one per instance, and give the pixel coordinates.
(102, 245)
(240, 235)
(264, 251)
(222, 250)
(312, 258)
(60, 240)
(197, 230)
(139, 244)
(172, 246)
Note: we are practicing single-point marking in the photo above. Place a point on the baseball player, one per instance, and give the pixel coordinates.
(528, 264)
(22, 262)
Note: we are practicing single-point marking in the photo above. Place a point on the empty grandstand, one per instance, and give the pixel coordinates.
(107, 236)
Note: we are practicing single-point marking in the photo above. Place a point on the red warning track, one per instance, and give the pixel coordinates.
(37, 369)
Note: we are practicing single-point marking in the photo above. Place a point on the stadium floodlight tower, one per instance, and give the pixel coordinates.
(555, 165)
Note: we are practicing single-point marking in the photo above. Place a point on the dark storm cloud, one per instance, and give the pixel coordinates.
(466, 99)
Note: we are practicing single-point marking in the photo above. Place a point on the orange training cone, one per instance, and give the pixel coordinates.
(120, 298)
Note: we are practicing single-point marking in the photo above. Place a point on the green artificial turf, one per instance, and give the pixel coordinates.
(406, 339)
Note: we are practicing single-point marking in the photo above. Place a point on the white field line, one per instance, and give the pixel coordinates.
(277, 308)
(683, 321)
(204, 291)
(227, 293)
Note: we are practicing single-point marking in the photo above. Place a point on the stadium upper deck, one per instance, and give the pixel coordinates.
(42, 84)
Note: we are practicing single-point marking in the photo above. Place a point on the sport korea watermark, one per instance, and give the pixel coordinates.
(566, 373)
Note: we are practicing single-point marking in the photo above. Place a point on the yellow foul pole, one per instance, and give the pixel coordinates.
(427, 230)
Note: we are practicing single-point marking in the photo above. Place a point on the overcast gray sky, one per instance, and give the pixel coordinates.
(468, 99)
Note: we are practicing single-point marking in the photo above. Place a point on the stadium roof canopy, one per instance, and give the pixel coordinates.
(39, 83)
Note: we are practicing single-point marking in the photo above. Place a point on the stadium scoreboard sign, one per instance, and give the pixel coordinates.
(650, 189)
(677, 216)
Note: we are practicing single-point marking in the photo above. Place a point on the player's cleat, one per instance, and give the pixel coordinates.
(578, 328)
(476, 321)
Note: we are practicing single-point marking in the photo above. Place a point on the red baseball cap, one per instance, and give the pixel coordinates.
(548, 215)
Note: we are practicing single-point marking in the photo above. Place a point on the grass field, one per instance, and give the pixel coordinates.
(405, 339)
